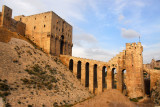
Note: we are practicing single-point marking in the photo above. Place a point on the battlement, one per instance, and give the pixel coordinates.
(134, 46)
(9, 23)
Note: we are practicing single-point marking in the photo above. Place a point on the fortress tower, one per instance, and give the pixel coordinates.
(134, 68)
(49, 31)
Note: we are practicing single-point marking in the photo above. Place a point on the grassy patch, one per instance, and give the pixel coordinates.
(136, 99)
(4, 91)
(157, 68)
(40, 78)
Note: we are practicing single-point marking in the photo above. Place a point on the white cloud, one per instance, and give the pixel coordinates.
(139, 3)
(93, 53)
(129, 33)
(78, 51)
(85, 37)
(67, 9)
(150, 52)
(121, 17)
(99, 54)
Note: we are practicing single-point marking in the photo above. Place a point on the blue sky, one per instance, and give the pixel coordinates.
(102, 27)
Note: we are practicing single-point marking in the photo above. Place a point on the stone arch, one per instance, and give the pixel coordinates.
(87, 75)
(146, 83)
(71, 65)
(95, 80)
(62, 45)
(124, 87)
(114, 78)
(104, 75)
(79, 69)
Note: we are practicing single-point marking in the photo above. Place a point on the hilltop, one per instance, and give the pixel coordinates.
(29, 77)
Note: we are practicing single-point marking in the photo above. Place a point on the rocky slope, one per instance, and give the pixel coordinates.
(155, 93)
(31, 78)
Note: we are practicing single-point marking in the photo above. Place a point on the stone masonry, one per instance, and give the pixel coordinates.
(9, 23)
(54, 36)
(130, 60)
(47, 30)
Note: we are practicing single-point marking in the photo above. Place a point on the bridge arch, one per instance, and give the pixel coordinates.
(147, 83)
(87, 74)
(104, 76)
(79, 63)
(95, 81)
(114, 78)
(124, 86)
(71, 65)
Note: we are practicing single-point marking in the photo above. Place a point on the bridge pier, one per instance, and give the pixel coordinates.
(75, 67)
(119, 79)
(109, 78)
(83, 74)
(91, 86)
(99, 76)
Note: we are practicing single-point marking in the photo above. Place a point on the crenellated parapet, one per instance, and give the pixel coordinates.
(8, 22)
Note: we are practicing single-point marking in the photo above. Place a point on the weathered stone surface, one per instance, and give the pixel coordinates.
(54, 36)
(130, 60)
(47, 30)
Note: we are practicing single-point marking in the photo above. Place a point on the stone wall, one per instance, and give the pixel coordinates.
(154, 76)
(153, 65)
(91, 70)
(38, 28)
(49, 31)
(130, 60)
(60, 28)
(9, 23)
(134, 70)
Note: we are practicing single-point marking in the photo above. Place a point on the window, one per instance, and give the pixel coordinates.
(45, 17)
(44, 25)
(20, 19)
(35, 18)
(34, 27)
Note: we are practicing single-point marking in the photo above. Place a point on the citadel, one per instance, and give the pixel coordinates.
(54, 36)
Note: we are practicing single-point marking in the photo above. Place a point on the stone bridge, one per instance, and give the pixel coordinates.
(98, 75)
